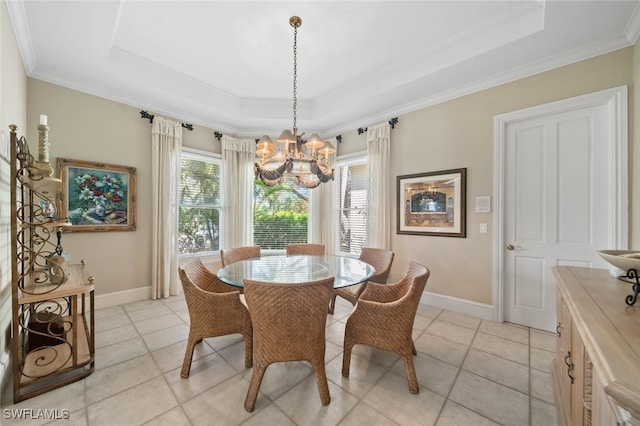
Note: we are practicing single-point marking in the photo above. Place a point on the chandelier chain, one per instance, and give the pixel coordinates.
(308, 162)
(295, 79)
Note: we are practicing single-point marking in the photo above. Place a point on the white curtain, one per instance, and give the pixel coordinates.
(166, 143)
(378, 194)
(238, 157)
(321, 212)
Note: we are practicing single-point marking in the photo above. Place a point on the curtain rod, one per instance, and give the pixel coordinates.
(392, 123)
(146, 115)
(218, 135)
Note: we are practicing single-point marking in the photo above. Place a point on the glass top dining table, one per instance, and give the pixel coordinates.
(297, 268)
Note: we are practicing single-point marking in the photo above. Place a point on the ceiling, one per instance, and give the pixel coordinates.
(228, 65)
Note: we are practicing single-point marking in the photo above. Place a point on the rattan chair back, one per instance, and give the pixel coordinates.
(310, 249)
(233, 255)
(381, 260)
(215, 310)
(289, 325)
(383, 318)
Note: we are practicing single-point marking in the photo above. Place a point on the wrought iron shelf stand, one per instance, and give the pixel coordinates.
(52, 302)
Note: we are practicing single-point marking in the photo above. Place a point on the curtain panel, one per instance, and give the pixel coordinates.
(322, 221)
(378, 194)
(166, 144)
(238, 156)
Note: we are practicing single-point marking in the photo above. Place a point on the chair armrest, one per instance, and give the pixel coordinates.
(223, 302)
(382, 292)
(376, 315)
(214, 285)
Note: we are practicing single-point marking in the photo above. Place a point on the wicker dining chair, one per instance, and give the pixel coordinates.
(381, 261)
(383, 318)
(215, 310)
(310, 249)
(233, 255)
(289, 325)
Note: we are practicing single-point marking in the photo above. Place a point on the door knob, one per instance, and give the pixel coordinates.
(512, 247)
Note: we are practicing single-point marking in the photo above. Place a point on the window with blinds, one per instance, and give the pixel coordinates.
(199, 204)
(351, 177)
(280, 214)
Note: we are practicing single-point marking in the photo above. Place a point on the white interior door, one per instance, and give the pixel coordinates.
(561, 192)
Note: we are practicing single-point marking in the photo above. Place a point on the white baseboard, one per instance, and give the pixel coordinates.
(122, 297)
(441, 301)
(460, 306)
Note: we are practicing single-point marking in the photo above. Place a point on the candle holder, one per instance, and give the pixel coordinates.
(42, 164)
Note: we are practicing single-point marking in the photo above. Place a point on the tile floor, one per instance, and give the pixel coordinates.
(471, 372)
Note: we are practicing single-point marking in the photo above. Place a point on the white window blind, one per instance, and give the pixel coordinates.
(200, 206)
(280, 214)
(352, 181)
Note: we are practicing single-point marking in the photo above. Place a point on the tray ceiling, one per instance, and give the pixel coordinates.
(228, 65)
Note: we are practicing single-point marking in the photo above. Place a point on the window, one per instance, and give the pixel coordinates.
(351, 177)
(199, 204)
(280, 214)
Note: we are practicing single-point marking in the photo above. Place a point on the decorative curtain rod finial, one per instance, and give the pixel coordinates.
(217, 135)
(145, 114)
(150, 117)
(392, 122)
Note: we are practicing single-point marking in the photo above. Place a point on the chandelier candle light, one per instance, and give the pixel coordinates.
(306, 160)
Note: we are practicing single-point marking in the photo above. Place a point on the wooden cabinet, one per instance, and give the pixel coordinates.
(596, 371)
(52, 302)
(563, 357)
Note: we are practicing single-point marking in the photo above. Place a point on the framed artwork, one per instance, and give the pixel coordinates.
(97, 196)
(433, 203)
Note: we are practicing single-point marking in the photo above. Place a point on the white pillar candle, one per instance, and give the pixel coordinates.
(43, 119)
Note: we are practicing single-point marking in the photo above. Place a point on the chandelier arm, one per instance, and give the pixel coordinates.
(308, 183)
(270, 183)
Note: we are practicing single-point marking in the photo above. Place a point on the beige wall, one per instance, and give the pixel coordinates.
(13, 110)
(85, 127)
(459, 133)
(453, 134)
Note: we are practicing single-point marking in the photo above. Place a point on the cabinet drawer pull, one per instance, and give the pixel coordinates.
(558, 328)
(569, 366)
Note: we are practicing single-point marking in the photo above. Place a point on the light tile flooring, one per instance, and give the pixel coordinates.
(471, 372)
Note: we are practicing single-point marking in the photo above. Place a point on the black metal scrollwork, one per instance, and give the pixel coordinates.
(558, 328)
(632, 275)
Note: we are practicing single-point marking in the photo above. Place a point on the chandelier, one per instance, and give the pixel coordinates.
(306, 160)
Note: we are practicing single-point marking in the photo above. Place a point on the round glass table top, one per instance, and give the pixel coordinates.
(299, 268)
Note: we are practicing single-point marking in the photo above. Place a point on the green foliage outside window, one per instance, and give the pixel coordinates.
(280, 215)
(278, 229)
(199, 199)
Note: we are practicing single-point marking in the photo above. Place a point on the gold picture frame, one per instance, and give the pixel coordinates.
(97, 197)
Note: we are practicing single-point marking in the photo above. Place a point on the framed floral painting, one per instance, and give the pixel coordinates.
(97, 196)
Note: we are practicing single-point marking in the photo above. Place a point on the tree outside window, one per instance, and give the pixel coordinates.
(352, 210)
(280, 214)
(199, 204)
